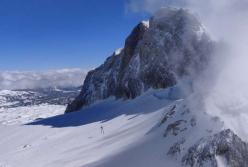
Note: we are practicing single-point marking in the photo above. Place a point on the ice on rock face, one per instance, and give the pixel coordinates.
(118, 51)
(156, 53)
(146, 23)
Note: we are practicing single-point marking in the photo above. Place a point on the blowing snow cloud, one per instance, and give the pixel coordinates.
(225, 88)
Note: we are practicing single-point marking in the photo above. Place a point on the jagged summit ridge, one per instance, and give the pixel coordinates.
(170, 45)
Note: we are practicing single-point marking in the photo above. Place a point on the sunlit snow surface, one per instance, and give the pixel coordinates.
(22, 115)
(133, 135)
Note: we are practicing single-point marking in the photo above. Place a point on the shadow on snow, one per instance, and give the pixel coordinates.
(106, 110)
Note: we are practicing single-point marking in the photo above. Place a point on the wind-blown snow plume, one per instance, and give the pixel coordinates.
(43, 79)
(225, 86)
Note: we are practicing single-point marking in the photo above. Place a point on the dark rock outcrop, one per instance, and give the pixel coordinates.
(226, 145)
(171, 45)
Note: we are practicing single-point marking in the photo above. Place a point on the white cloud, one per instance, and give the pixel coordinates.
(151, 6)
(41, 79)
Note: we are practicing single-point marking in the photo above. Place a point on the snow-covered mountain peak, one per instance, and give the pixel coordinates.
(154, 56)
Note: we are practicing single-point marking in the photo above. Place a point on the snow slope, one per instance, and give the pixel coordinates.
(26, 114)
(138, 132)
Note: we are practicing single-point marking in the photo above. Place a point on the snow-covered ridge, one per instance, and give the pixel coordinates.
(12, 93)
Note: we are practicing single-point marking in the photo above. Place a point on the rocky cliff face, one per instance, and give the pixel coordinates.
(197, 139)
(222, 149)
(170, 45)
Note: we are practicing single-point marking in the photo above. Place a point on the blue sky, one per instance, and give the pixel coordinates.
(54, 34)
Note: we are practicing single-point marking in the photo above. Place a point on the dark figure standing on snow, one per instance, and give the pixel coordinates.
(102, 130)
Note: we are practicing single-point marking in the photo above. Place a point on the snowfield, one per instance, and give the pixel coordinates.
(26, 114)
(139, 132)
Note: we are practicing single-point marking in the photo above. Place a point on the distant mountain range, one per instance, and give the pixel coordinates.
(27, 105)
(29, 97)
